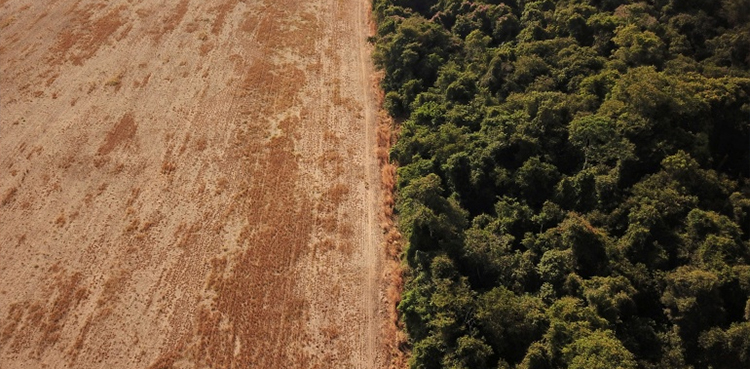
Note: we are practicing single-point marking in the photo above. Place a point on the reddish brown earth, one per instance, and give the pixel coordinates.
(189, 184)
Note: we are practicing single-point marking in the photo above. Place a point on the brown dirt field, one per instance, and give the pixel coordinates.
(191, 184)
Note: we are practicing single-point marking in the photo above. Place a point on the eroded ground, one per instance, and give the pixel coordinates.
(188, 184)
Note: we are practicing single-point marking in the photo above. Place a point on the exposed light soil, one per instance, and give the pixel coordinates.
(190, 184)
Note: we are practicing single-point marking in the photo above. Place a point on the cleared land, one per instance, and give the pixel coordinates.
(189, 184)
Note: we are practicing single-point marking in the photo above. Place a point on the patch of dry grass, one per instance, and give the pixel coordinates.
(78, 44)
(393, 330)
(120, 135)
(8, 196)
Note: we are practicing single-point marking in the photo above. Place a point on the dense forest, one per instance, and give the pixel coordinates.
(573, 180)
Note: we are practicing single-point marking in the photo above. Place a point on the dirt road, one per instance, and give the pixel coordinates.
(188, 184)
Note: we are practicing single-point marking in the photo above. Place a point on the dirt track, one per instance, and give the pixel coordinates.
(188, 184)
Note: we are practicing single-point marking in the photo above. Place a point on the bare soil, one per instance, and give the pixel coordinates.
(190, 184)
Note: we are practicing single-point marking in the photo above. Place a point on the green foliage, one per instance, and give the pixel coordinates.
(612, 297)
(598, 350)
(573, 182)
(638, 47)
(511, 323)
(598, 138)
(728, 348)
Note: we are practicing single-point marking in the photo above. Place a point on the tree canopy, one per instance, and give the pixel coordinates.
(573, 180)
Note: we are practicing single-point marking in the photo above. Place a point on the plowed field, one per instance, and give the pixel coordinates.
(189, 184)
